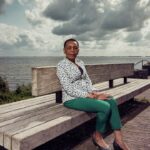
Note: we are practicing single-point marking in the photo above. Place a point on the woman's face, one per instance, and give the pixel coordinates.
(71, 50)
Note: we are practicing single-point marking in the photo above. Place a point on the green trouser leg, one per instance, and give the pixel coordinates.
(106, 111)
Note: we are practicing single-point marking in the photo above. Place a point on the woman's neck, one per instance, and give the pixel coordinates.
(72, 60)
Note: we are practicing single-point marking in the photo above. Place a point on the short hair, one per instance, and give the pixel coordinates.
(74, 40)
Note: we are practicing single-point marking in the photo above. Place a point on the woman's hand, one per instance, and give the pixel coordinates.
(91, 95)
(102, 96)
(98, 95)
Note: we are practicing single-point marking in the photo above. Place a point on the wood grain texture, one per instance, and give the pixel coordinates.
(27, 124)
(45, 81)
(27, 127)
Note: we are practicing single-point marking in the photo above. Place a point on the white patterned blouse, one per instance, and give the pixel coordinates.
(74, 83)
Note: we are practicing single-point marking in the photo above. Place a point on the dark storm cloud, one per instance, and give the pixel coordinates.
(61, 10)
(85, 21)
(2, 5)
(130, 16)
(116, 20)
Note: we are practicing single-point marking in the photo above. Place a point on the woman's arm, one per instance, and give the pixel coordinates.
(94, 92)
(67, 85)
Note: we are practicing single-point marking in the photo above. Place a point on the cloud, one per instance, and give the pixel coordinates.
(130, 15)
(67, 10)
(33, 17)
(134, 37)
(33, 11)
(3, 5)
(103, 27)
(31, 42)
(13, 38)
(95, 19)
(75, 12)
(148, 36)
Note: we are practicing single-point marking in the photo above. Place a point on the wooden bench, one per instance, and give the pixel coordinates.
(27, 124)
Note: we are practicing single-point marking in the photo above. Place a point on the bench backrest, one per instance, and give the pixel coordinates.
(45, 81)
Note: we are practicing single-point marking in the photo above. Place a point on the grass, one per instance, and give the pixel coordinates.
(6, 96)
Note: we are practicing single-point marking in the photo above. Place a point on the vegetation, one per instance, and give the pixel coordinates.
(7, 96)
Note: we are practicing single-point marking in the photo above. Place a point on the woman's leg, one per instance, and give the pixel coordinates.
(114, 119)
(100, 107)
(102, 110)
(115, 123)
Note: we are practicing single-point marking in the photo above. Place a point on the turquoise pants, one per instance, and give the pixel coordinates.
(106, 111)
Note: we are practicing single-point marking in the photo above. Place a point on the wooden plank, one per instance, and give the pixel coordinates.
(31, 121)
(134, 84)
(27, 115)
(115, 91)
(76, 120)
(122, 92)
(47, 131)
(29, 124)
(128, 87)
(26, 110)
(26, 103)
(45, 81)
(121, 70)
(124, 98)
(36, 136)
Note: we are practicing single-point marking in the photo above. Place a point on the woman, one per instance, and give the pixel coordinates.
(79, 94)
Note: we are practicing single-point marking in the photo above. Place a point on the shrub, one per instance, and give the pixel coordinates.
(21, 92)
(3, 85)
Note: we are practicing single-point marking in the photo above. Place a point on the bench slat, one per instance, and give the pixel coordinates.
(22, 135)
(26, 110)
(127, 96)
(45, 81)
(126, 87)
(47, 131)
(30, 124)
(128, 90)
(26, 103)
(27, 115)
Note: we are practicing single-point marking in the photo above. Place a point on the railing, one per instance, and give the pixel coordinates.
(142, 61)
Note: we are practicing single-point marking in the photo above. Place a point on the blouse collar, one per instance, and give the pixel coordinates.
(76, 60)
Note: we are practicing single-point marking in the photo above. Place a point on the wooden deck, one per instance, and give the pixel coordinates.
(136, 134)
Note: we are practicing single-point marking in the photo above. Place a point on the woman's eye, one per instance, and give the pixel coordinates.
(74, 48)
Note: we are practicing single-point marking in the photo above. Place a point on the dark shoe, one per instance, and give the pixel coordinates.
(116, 146)
(98, 146)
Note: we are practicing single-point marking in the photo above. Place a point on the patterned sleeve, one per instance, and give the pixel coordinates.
(67, 85)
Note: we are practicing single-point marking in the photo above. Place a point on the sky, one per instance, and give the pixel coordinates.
(102, 27)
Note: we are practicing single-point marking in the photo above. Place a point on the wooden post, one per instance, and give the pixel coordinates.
(125, 80)
(59, 97)
(111, 85)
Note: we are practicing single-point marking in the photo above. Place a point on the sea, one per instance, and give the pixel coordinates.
(17, 70)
